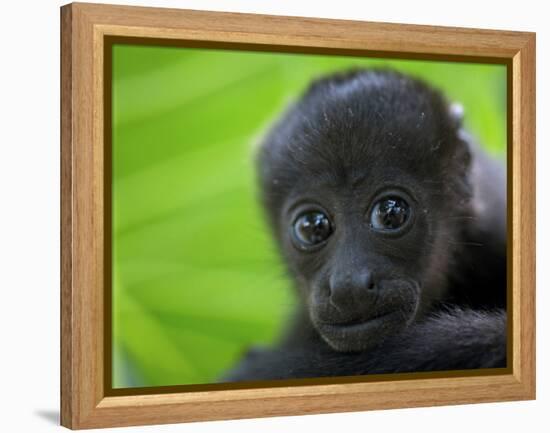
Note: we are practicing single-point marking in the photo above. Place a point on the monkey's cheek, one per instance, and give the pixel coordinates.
(363, 336)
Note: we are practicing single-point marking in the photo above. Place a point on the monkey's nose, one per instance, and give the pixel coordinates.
(349, 289)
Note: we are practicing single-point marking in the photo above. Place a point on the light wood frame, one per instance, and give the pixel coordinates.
(84, 27)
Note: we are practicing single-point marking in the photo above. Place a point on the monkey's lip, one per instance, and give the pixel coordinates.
(366, 324)
(363, 333)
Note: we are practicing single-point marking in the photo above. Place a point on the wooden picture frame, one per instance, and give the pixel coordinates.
(86, 29)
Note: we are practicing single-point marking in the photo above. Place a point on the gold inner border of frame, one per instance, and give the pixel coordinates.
(108, 43)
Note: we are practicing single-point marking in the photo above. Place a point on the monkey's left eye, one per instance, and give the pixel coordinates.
(389, 213)
(311, 229)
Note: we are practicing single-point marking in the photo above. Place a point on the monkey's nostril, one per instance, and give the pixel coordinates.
(368, 281)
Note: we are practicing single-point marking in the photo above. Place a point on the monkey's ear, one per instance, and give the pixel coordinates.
(456, 114)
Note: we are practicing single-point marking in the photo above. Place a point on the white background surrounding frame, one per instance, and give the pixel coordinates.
(29, 217)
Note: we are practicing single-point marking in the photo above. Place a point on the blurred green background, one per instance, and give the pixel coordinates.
(196, 278)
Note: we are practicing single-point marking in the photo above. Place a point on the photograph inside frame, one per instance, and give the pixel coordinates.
(285, 216)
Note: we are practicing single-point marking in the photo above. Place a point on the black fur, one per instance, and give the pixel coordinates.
(429, 296)
(454, 340)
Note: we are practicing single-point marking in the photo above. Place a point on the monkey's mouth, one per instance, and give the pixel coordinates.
(362, 334)
(361, 327)
(371, 321)
(362, 324)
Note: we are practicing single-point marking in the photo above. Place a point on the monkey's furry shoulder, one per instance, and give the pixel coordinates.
(454, 340)
(391, 221)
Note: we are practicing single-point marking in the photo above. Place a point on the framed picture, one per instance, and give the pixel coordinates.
(266, 215)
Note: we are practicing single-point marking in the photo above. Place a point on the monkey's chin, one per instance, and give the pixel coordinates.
(362, 336)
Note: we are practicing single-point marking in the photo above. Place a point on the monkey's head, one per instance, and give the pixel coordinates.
(365, 182)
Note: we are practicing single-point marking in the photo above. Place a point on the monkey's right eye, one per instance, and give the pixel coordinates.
(311, 229)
